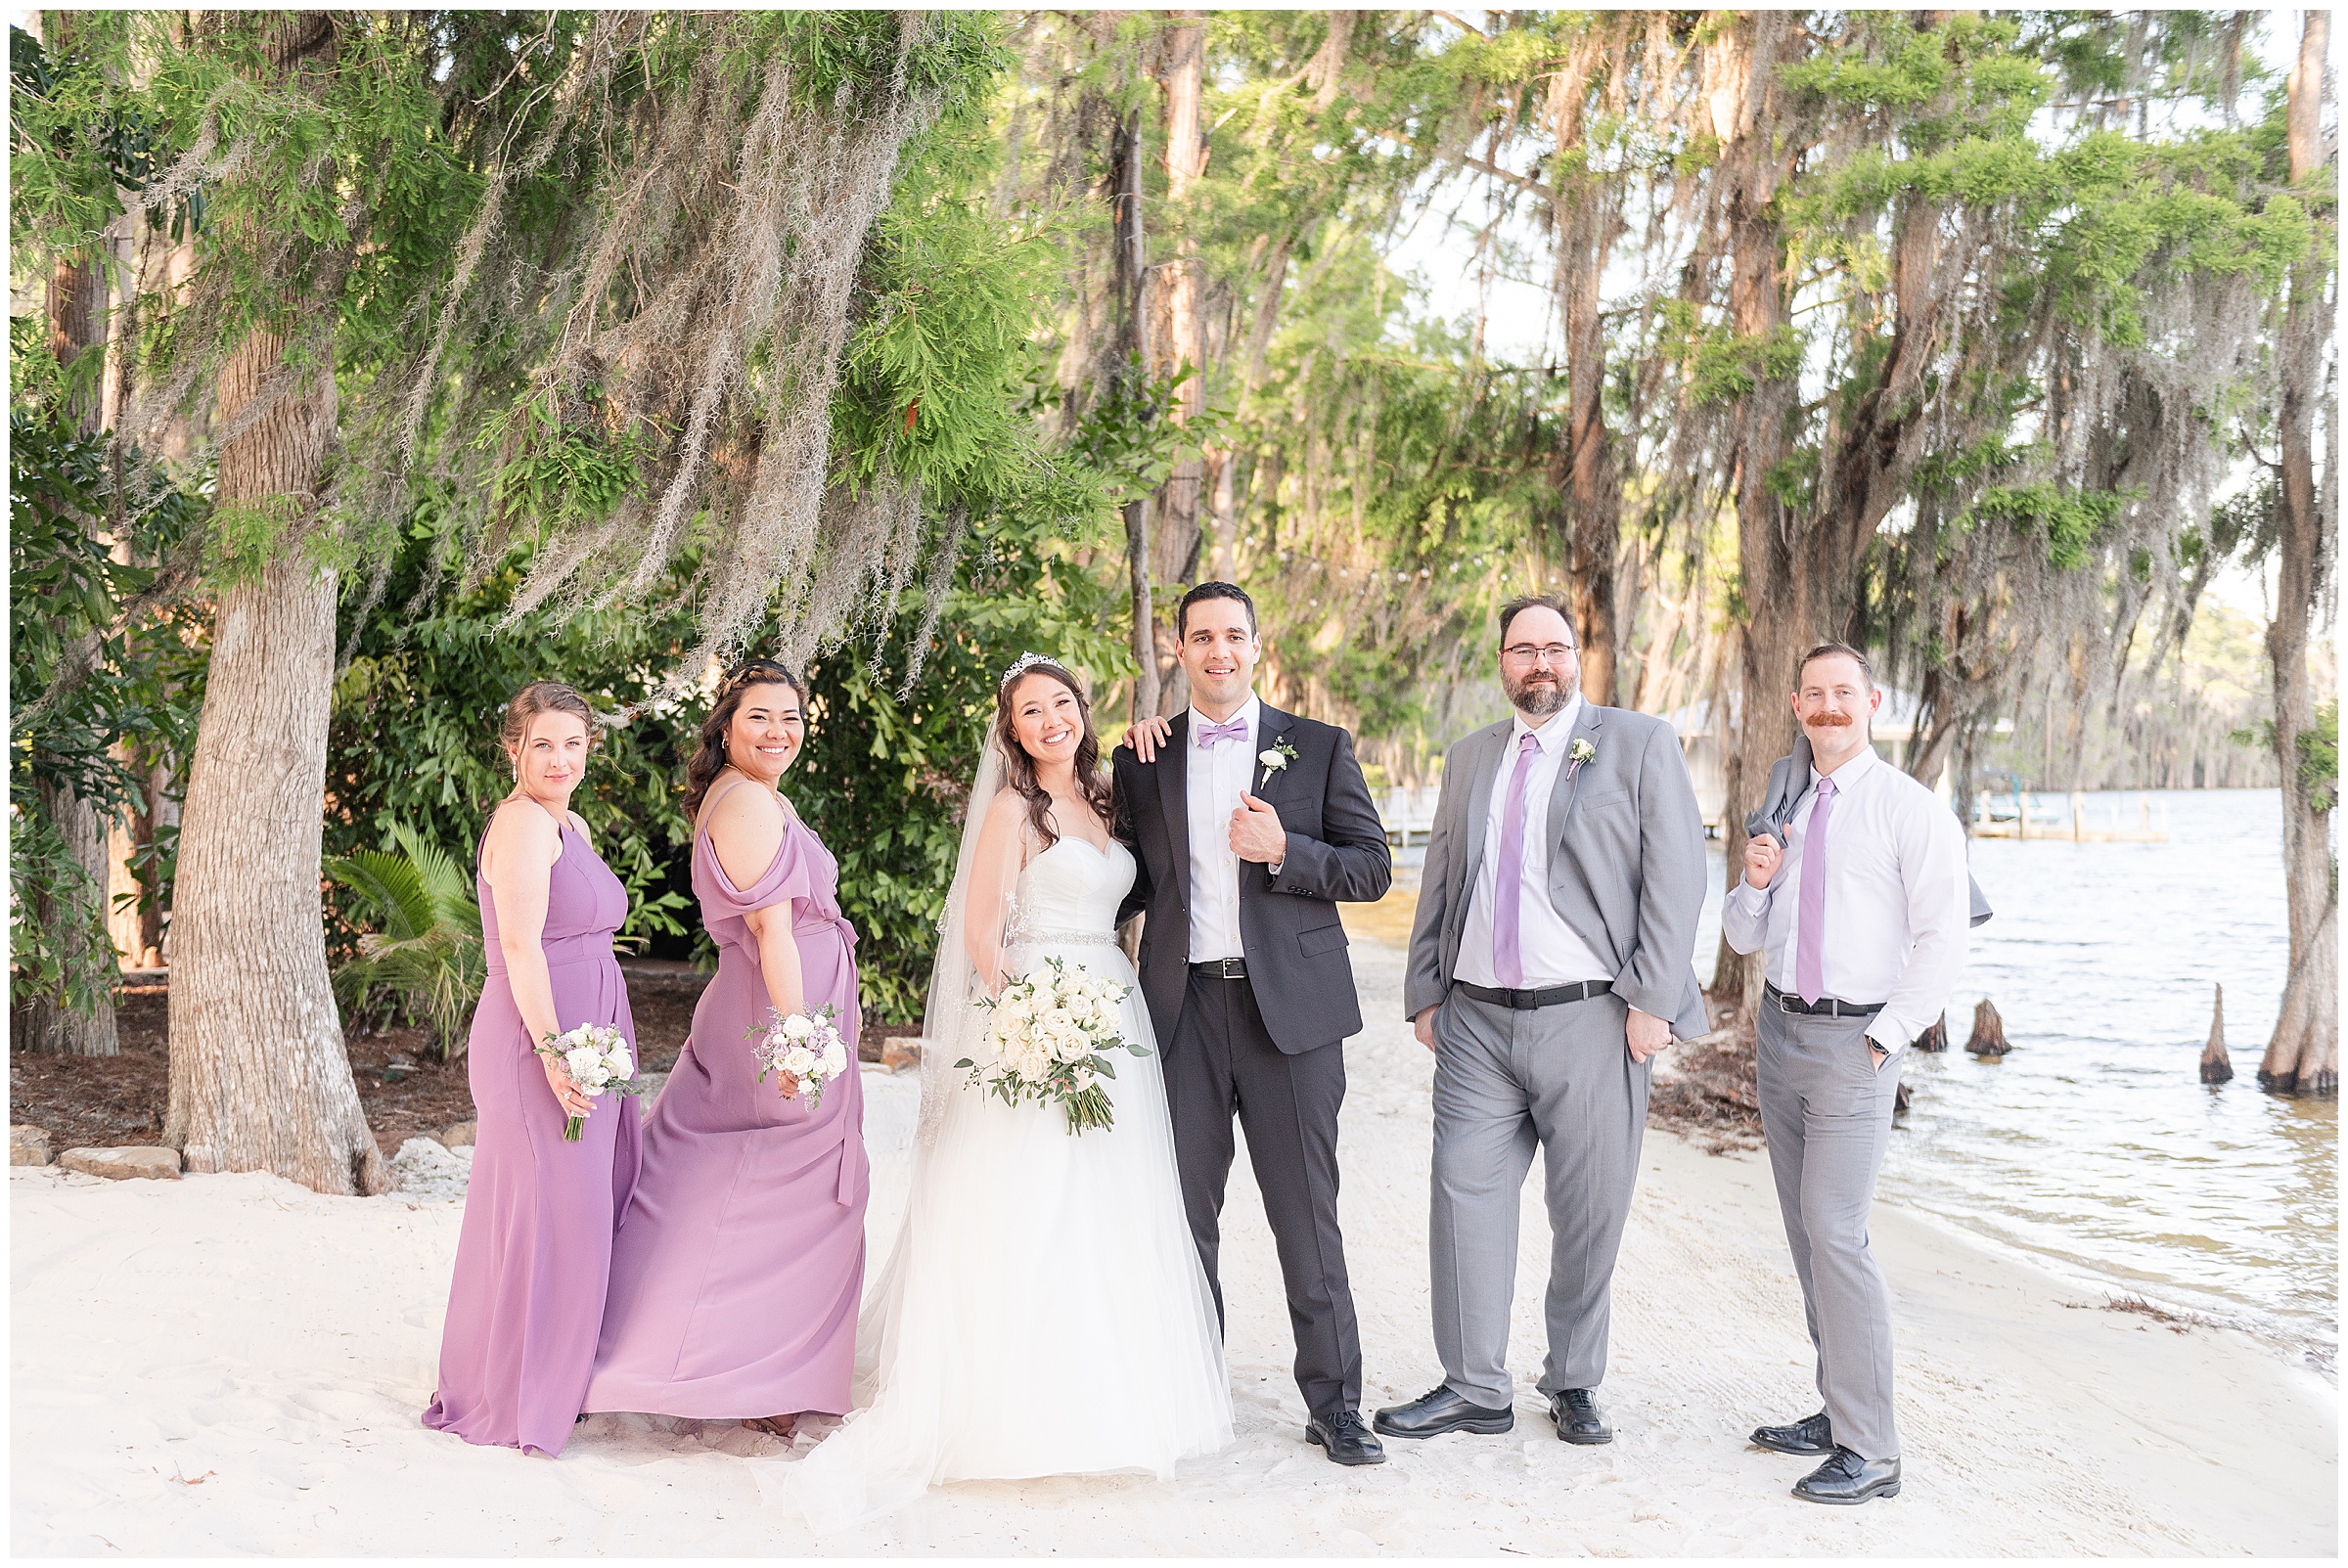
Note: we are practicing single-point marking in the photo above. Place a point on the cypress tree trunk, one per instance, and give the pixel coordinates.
(1130, 355)
(260, 1077)
(1267, 310)
(2304, 1052)
(1175, 545)
(1778, 592)
(1586, 218)
(78, 326)
(44, 1022)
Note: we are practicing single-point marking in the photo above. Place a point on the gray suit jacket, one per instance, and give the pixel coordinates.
(1626, 867)
(1788, 781)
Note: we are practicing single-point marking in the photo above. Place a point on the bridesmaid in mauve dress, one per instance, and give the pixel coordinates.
(535, 1252)
(736, 1283)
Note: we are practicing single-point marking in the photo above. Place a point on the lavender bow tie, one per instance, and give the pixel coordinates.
(1209, 734)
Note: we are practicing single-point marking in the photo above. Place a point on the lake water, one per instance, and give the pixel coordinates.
(2093, 1143)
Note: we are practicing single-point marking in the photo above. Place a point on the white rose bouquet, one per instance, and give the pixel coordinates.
(597, 1058)
(809, 1046)
(1051, 1037)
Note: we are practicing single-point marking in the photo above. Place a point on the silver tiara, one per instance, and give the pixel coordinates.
(1021, 665)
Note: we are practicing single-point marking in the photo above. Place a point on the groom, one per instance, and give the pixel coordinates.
(1249, 825)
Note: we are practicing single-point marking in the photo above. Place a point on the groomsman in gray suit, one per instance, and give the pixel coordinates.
(1549, 964)
(1863, 910)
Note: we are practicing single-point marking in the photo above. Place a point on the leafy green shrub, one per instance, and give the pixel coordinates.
(97, 665)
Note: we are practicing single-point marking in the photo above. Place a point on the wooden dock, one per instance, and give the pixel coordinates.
(2077, 830)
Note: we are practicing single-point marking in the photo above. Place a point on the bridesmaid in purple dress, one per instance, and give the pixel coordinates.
(736, 1283)
(535, 1252)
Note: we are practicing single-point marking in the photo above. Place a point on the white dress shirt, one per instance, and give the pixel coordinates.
(1218, 776)
(1898, 904)
(1553, 954)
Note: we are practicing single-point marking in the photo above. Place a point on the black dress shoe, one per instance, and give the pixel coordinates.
(1434, 1414)
(1578, 1418)
(1346, 1437)
(1846, 1478)
(1811, 1436)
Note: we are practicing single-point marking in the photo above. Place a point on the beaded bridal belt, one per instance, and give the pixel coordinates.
(1038, 939)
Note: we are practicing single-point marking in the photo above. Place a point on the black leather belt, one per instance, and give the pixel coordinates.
(1824, 1007)
(1527, 1001)
(1222, 968)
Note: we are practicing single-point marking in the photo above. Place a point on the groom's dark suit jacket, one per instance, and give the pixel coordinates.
(1288, 928)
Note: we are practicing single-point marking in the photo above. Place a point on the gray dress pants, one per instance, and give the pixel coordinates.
(1825, 1110)
(1560, 1078)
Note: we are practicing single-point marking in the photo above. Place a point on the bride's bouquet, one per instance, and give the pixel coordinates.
(1050, 1033)
(597, 1058)
(806, 1044)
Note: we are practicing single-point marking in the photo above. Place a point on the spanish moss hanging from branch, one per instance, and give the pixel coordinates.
(629, 358)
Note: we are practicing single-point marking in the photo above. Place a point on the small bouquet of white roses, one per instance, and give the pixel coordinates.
(597, 1058)
(1050, 1035)
(805, 1044)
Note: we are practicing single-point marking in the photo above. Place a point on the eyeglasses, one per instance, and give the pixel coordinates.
(1555, 654)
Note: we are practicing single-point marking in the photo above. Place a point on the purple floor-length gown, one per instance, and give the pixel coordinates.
(535, 1254)
(736, 1283)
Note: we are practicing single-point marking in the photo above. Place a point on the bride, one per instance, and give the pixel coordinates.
(1043, 1312)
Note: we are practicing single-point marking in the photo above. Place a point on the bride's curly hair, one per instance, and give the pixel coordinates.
(710, 755)
(1018, 768)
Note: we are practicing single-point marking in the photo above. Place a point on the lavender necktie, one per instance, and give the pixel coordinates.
(1508, 879)
(1810, 912)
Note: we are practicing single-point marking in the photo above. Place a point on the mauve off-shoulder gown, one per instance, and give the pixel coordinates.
(736, 1283)
(535, 1252)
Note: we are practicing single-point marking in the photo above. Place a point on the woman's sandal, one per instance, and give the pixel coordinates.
(781, 1426)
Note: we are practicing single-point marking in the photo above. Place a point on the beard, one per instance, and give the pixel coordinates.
(1536, 696)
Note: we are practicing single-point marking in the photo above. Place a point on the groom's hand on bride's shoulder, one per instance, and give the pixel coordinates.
(1146, 737)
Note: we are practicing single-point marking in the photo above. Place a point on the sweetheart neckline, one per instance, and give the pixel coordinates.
(1071, 839)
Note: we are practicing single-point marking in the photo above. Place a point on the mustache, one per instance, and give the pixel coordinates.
(1832, 721)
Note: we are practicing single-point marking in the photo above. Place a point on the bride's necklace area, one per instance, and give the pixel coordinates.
(1074, 806)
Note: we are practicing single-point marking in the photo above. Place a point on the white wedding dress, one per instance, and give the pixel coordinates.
(1043, 1312)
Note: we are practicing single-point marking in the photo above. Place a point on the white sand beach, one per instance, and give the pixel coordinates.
(234, 1364)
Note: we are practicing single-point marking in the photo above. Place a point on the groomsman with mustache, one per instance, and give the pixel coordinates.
(1863, 910)
(1548, 965)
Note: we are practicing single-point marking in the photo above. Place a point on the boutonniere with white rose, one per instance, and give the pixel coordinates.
(1276, 759)
(1576, 755)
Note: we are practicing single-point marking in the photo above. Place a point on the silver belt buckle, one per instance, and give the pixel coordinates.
(1787, 1001)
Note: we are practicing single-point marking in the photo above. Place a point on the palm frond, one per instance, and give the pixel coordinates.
(448, 883)
(396, 899)
(426, 958)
